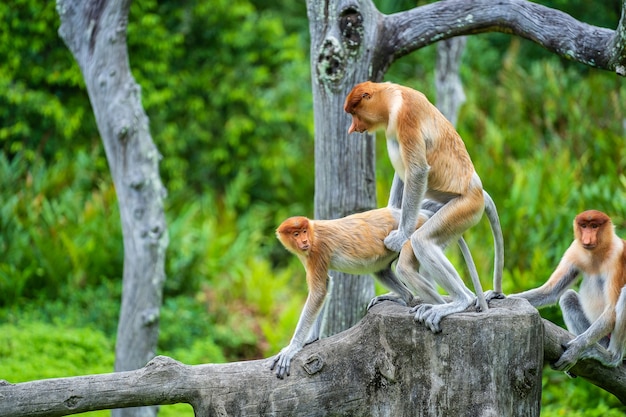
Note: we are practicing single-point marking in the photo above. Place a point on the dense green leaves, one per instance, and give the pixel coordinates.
(227, 89)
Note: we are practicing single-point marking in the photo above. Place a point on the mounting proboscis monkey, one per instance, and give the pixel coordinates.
(352, 244)
(431, 160)
(598, 312)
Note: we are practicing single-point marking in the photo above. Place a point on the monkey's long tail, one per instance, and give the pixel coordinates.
(498, 242)
(471, 267)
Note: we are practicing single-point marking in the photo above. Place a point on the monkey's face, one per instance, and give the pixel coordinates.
(588, 235)
(300, 239)
(367, 109)
(589, 228)
(358, 125)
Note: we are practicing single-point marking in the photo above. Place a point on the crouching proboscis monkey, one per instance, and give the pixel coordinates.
(430, 158)
(352, 244)
(597, 313)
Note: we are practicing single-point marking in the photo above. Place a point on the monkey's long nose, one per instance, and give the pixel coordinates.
(352, 128)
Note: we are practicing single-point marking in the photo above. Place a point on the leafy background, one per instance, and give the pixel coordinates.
(226, 85)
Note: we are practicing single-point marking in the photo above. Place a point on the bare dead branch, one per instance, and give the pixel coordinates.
(556, 31)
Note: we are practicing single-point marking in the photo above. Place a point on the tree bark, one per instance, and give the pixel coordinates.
(482, 364)
(345, 178)
(450, 95)
(95, 32)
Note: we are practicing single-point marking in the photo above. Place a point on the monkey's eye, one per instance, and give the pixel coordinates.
(296, 234)
(594, 226)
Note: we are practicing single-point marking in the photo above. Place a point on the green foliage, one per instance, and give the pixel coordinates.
(563, 396)
(66, 353)
(237, 90)
(43, 107)
(60, 226)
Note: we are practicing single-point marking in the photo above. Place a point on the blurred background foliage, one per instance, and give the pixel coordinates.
(226, 85)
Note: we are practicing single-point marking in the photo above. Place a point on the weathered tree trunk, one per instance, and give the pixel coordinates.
(345, 178)
(450, 95)
(95, 32)
(482, 364)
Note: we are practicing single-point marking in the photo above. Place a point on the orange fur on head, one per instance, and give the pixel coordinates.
(360, 91)
(369, 108)
(294, 234)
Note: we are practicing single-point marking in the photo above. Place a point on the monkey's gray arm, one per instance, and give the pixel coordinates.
(395, 195)
(617, 345)
(563, 277)
(413, 194)
(310, 312)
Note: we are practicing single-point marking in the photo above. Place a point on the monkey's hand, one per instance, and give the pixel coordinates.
(573, 353)
(282, 361)
(395, 240)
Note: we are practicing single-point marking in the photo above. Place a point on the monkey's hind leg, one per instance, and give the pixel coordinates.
(407, 269)
(400, 293)
(575, 319)
(431, 257)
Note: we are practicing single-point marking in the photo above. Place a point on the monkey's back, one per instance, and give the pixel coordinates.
(451, 168)
(358, 240)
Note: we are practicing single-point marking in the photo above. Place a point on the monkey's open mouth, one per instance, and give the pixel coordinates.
(305, 247)
(589, 246)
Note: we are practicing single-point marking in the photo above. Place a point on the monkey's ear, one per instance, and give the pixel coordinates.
(366, 96)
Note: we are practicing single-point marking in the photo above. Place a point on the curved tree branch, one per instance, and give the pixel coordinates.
(385, 365)
(555, 30)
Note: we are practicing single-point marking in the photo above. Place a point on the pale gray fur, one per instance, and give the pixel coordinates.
(498, 244)
(411, 201)
(544, 296)
(424, 285)
(587, 333)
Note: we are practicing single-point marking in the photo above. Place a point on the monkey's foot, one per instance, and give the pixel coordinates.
(431, 315)
(386, 297)
(602, 355)
(493, 295)
(395, 240)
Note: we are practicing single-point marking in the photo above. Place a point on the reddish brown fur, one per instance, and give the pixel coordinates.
(594, 250)
(355, 238)
(294, 234)
(425, 135)
(352, 243)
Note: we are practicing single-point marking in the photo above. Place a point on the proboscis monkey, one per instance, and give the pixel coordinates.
(597, 313)
(430, 158)
(352, 244)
